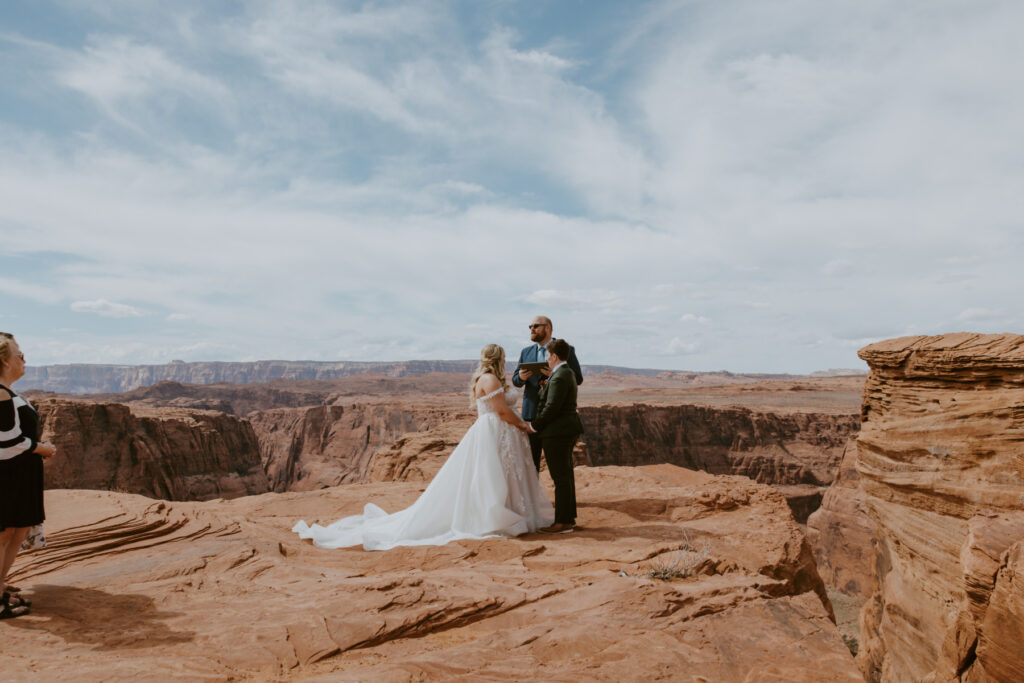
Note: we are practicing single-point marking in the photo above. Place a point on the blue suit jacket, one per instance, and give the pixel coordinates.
(531, 394)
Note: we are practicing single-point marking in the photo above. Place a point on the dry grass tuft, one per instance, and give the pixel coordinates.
(683, 564)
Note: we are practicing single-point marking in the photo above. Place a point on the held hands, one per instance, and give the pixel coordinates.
(46, 449)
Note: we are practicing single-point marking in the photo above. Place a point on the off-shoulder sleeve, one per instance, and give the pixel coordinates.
(492, 394)
(13, 441)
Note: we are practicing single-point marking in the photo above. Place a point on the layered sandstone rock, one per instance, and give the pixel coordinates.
(842, 533)
(942, 468)
(319, 446)
(166, 453)
(769, 448)
(131, 589)
(799, 452)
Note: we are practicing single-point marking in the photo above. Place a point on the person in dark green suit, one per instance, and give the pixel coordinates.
(559, 426)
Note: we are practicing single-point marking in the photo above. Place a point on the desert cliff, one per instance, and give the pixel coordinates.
(798, 452)
(842, 533)
(942, 471)
(314, 447)
(174, 454)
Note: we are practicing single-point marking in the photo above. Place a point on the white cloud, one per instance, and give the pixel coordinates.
(116, 70)
(107, 309)
(309, 178)
(679, 347)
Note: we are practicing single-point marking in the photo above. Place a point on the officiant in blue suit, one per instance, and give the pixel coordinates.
(540, 335)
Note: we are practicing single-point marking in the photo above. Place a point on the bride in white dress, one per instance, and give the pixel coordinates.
(487, 487)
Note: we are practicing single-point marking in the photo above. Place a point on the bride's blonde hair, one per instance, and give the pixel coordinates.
(492, 361)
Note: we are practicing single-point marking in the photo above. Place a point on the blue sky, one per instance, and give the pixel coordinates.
(688, 185)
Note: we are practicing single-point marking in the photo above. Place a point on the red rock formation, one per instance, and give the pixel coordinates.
(798, 452)
(315, 447)
(797, 448)
(941, 465)
(842, 533)
(224, 590)
(165, 453)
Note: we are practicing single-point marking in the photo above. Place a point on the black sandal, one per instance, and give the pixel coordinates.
(16, 600)
(9, 612)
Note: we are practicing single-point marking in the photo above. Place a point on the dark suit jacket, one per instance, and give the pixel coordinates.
(557, 416)
(531, 394)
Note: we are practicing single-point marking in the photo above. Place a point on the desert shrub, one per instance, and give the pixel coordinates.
(681, 564)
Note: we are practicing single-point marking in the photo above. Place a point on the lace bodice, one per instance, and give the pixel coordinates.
(484, 404)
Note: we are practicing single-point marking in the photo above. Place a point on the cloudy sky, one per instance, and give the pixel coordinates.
(743, 185)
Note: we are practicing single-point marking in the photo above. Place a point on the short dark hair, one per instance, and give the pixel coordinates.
(560, 348)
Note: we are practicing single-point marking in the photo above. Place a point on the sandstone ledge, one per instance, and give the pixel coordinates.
(942, 472)
(146, 590)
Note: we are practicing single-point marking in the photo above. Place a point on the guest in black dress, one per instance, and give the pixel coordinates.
(21, 471)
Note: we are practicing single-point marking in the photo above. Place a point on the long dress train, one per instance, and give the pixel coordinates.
(487, 487)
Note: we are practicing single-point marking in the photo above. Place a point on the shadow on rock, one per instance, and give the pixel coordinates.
(95, 617)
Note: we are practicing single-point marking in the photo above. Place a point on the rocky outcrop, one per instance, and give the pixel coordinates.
(326, 445)
(842, 533)
(417, 456)
(167, 453)
(223, 590)
(314, 447)
(798, 451)
(941, 466)
(798, 448)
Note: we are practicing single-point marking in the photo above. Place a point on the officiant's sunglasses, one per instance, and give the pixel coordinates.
(536, 325)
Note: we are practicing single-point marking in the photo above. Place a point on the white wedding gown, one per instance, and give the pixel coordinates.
(487, 487)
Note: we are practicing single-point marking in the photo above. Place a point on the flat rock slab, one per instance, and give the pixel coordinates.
(132, 588)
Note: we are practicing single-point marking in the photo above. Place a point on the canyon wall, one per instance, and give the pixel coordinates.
(843, 534)
(796, 448)
(326, 445)
(798, 453)
(942, 470)
(315, 434)
(314, 447)
(175, 454)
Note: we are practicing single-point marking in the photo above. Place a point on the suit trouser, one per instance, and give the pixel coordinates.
(558, 454)
(535, 448)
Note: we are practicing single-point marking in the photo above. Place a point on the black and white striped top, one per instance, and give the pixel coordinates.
(19, 425)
